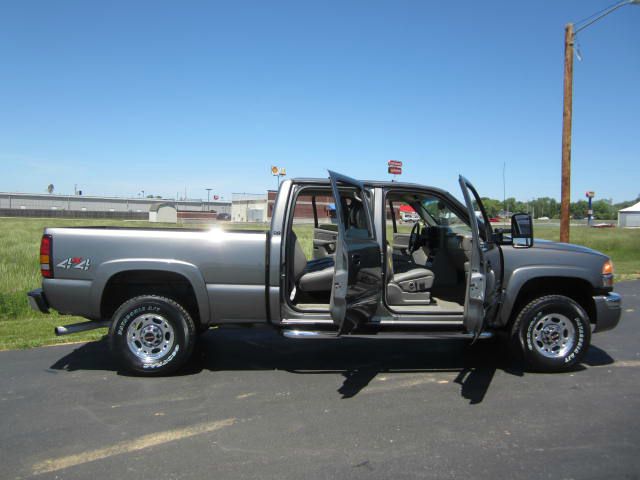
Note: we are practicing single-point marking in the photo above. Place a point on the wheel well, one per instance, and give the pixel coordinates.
(577, 289)
(125, 285)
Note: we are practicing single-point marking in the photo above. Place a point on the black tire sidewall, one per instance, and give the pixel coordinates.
(544, 306)
(175, 315)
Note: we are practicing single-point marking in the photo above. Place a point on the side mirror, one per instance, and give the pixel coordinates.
(522, 230)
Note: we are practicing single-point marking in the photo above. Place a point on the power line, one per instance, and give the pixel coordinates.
(586, 19)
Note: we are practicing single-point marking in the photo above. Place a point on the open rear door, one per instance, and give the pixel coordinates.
(482, 281)
(357, 279)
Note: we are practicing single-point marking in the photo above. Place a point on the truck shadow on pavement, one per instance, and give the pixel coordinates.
(358, 361)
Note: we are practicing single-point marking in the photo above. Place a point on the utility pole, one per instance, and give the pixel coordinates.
(504, 189)
(569, 40)
(208, 194)
(565, 195)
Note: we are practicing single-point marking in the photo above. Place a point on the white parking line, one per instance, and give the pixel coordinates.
(624, 363)
(402, 381)
(128, 446)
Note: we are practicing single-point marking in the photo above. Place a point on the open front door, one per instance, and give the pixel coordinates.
(357, 279)
(484, 277)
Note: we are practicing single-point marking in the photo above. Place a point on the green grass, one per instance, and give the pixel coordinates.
(21, 327)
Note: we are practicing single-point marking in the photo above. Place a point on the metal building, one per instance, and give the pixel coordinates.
(33, 204)
(630, 216)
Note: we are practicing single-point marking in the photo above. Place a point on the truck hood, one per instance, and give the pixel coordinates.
(564, 247)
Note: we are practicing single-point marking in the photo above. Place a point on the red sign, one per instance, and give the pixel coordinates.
(394, 163)
(395, 170)
(216, 197)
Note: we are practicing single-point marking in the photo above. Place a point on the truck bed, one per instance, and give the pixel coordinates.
(225, 267)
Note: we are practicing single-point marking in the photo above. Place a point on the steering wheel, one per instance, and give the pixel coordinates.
(413, 238)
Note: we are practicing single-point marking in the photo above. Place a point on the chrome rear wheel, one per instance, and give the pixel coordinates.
(150, 336)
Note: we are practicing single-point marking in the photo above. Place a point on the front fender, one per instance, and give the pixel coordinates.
(522, 275)
(108, 269)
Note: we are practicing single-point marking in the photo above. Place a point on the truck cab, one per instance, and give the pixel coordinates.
(365, 275)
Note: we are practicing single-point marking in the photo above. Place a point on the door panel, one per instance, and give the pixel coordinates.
(401, 242)
(484, 261)
(324, 241)
(357, 281)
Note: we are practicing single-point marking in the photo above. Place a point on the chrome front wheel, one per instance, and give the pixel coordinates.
(553, 335)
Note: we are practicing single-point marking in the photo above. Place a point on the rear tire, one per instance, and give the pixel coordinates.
(152, 335)
(551, 334)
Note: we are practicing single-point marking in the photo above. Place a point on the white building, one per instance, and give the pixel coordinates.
(163, 213)
(630, 216)
(249, 207)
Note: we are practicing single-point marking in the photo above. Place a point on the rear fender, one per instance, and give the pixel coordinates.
(108, 269)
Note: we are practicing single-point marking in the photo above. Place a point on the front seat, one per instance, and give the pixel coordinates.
(409, 287)
(311, 276)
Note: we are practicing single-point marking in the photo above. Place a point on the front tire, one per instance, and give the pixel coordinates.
(152, 335)
(551, 333)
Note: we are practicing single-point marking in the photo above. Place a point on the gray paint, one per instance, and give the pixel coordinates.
(227, 269)
(547, 259)
(207, 259)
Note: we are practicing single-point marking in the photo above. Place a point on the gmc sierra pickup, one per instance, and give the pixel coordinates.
(356, 275)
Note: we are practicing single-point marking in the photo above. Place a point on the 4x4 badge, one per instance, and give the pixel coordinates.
(75, 262)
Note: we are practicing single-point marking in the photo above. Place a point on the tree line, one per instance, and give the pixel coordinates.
(550, 207)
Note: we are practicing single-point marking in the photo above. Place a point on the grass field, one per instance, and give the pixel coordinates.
(20, 327)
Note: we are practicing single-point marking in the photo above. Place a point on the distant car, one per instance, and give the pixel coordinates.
(224, 216)
(409, 217)
(543, 218)
(495, 220)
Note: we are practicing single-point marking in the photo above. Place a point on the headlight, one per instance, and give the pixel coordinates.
(607, 274)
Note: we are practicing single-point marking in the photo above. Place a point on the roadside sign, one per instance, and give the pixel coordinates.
(278, 172)
(395, 170)
(394, 163)
(590, 194)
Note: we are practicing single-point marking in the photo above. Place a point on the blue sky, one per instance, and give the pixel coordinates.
(120, 97)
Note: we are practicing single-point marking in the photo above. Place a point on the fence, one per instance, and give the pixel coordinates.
(32, 212)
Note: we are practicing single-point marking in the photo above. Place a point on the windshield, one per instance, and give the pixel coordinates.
(440, 214)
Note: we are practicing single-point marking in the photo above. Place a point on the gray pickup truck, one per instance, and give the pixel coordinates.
(335, 263)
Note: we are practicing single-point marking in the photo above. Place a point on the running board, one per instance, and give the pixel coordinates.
(304, 334)
(80, 327)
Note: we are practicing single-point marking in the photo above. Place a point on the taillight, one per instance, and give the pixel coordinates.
(46, 256)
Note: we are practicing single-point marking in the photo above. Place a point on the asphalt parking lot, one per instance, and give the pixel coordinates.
(254, 405)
